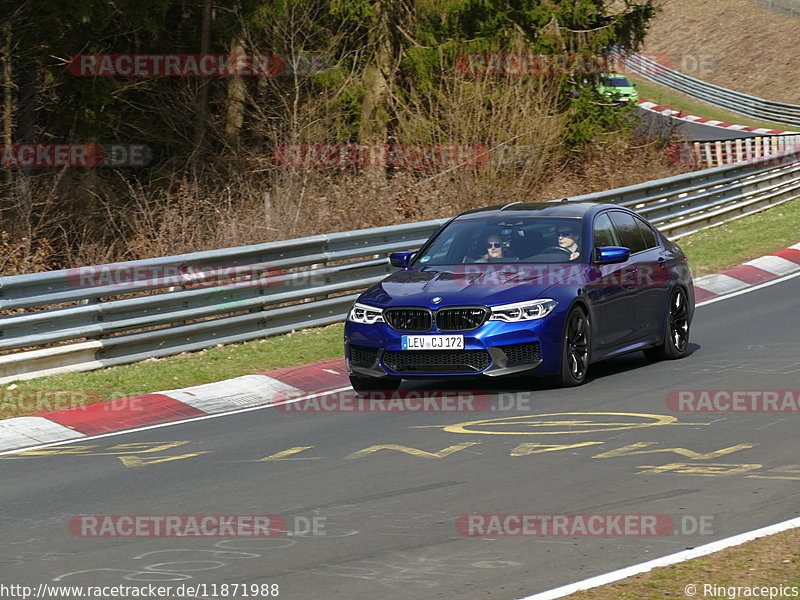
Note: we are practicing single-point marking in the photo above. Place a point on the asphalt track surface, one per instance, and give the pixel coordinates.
(389, 515)
(656, 125)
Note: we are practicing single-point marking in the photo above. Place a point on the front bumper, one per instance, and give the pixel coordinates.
(495, 349)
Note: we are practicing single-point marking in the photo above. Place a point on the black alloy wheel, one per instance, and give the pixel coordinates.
(575, 349)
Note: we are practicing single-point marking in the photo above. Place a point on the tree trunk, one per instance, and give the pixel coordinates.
(202, 97)
(237, 94)
(378, 80)
(25, 132)
(8, 103)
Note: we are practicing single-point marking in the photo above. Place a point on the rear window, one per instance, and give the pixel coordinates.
(628, 231)
(648, 234)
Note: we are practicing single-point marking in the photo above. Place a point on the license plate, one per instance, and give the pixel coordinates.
(433, 342)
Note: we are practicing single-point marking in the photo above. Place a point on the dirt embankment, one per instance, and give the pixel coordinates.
(732, 43)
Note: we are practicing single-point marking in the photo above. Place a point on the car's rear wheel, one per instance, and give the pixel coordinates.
(368, 384)
(676, 334)
(575, 348)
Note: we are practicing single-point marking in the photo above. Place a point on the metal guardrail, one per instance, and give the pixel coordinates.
(786, 7)
(743, 104)
(106, 315)
(92, 317)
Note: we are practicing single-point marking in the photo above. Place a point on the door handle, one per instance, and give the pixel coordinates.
(629, 278)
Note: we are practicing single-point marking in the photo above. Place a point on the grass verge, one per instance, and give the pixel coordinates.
(183, 370)
(680, 101)
(744, 239)
(709, 251)
(771, 561)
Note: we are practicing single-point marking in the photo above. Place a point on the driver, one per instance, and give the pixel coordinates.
(568, 240)
(495, 251)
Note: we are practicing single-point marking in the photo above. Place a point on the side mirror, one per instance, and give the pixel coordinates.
(609, 255)
(401, 259)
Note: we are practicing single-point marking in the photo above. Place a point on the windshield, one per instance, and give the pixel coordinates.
(506, 240)
(616, 82)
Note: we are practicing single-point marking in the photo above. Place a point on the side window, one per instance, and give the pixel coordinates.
(650, 240)
(603, 231)
(472, 244)
(445, 249)
(628, 230)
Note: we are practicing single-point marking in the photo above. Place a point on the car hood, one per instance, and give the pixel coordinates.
(489, 284)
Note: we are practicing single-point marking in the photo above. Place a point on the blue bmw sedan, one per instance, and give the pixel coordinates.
(523, 289)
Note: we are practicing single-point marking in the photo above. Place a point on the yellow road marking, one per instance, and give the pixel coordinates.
(285, 453)
(784, 469)
(531, 422)
(702, 469)
(532, 448)
(631, 450)
(50, 452)
(412, 451)
(138, 448)
(136, 461)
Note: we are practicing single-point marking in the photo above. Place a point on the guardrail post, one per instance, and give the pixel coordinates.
(99, 318)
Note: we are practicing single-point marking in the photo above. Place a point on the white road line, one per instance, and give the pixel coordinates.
(750, 289)
(664, 561)
(79, 436)
(84, 438)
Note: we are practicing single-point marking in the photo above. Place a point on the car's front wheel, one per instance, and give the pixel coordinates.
(676, 334)
(368, 384)
(575, 348)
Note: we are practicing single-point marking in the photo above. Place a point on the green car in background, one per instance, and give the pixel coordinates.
(618, 88)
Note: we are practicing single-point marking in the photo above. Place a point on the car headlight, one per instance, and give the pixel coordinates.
(523, 311)
(363, 313)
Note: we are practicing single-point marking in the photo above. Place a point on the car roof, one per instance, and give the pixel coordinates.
(581, 208)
